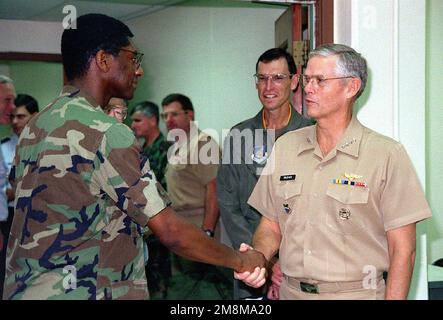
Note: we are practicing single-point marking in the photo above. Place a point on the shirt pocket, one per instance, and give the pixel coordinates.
(289, 197)
(345, 208)
(288, 203)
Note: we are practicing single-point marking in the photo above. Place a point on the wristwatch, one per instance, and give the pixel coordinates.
(210, 233)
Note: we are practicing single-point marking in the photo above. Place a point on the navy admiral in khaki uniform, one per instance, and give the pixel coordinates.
(339, 201)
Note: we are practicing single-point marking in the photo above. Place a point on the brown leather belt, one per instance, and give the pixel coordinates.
(324, 287)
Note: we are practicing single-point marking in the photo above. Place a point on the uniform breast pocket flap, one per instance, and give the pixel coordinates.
(290, 190)
(348, 194)
(290, 193)
(344, 211)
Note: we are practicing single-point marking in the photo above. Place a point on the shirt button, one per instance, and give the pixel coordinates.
(308, 252)
(320, 168)
(315, 195)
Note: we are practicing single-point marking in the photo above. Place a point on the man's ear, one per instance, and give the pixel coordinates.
(294, 82)
(102, 61)
(191, 114)
(152, 121)
(354, 85)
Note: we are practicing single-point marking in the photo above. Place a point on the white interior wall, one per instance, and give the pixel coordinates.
(434, 142)
(4, 69)
(30, 36)
(208, 54)
(391, 36)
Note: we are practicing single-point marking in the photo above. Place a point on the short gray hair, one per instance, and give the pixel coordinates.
(148, 109)
(350, 62)
(5, 79)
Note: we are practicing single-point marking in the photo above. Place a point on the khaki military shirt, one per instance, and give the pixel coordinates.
(333, 230)
(192, 165)
(79, 207)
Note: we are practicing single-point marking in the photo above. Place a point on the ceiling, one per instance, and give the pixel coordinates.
(52, 10)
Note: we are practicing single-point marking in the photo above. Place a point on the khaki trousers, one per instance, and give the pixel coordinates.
(288, 292)
(182, 265)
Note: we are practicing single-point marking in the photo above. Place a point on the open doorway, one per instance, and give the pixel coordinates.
(304, 25)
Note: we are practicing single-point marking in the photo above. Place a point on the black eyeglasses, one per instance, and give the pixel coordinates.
(138, 57)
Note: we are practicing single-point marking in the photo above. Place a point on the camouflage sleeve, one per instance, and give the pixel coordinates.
(118, 174)
(145, 165)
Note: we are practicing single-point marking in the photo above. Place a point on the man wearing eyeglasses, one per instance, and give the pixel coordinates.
(190, 174)
(7, 96)
(81, 199)
(7, 106)
(339, 201)
(117, 108)
(243, 161)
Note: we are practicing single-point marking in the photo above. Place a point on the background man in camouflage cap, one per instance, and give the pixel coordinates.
(79, 188)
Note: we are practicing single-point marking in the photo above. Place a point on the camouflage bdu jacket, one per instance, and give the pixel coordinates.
(80, 202)
(157, 154)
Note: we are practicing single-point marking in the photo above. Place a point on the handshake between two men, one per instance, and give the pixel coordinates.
(266, 240)
(258, 276)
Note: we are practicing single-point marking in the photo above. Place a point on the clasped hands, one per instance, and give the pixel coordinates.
(257, 277)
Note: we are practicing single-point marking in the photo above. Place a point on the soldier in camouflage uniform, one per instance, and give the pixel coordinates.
(157, 155)
(80, 194)
(145, 119)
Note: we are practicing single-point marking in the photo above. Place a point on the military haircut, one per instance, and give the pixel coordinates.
(148, 108)
(27, 101)
(350, 62)
(110, 105)
(94, 32)
(4, 79)
(181, 98)
(275, 54)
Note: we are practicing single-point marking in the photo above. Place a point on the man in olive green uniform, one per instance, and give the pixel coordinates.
(339, 201)
(80, 195)
(244, 159)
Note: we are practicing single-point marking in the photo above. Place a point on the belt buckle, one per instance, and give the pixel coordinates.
(309, 287)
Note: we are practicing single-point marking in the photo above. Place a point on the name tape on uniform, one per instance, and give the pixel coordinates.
(287, 177)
